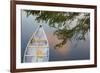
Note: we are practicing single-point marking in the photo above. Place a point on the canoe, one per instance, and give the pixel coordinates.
(37, 49)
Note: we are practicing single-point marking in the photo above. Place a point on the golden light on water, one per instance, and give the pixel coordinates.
(64, 49)
(40, 53)
(53, 41)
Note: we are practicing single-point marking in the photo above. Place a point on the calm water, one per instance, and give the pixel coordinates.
(74, 50)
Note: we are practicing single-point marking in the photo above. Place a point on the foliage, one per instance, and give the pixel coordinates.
(63, 22)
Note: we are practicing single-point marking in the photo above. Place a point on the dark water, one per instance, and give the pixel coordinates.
(76, 50)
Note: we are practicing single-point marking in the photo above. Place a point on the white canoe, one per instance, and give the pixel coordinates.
(37, 49)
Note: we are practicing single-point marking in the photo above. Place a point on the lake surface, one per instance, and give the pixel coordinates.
(74, 50)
